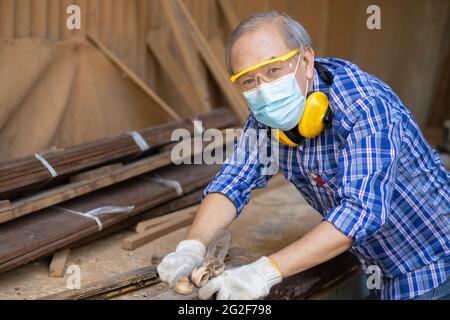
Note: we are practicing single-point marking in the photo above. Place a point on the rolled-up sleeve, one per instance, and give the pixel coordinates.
(367, 168)
(244, 171)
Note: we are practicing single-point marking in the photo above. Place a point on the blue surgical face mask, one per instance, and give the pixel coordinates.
(278, 104)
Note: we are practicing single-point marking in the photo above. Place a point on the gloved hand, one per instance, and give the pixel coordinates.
(248, 282)
(188, 255)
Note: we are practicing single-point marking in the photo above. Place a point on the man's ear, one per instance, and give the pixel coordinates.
(308, 61)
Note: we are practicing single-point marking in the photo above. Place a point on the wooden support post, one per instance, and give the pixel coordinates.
(134, 77)
(58, 264)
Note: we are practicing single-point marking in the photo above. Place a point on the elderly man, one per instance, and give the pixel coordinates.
(353, 151)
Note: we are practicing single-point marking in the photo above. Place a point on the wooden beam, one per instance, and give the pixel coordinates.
(134, 77)
(111, 287)
(37, 236)
(96, 173)
(188, 55)
(184, 213)
(218, 49)
(7, 17)
(306, 283)
(152, 233)
(5, 205)
(230, 16)
(233, 96)
(158, 46)
(58, 264)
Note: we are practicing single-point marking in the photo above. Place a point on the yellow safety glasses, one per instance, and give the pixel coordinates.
(265, 63)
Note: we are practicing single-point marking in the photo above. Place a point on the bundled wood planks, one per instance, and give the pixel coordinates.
(98, 179)
(20, 176)
(38, 235)
(101, 187)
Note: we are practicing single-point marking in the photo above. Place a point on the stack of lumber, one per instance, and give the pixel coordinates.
(58, 199)
(49, 230)
(19, 176)
(143, 185)
(103, 176)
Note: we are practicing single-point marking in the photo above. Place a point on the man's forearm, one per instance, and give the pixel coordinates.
(321, 244)
(215, 213)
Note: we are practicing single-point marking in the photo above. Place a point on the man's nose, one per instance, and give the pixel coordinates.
(260, 80)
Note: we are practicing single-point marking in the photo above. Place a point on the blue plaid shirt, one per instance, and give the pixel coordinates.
(371, 174)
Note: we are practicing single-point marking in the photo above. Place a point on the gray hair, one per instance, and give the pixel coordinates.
(293, 32)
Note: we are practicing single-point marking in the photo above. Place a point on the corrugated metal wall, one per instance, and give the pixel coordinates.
(405, 53)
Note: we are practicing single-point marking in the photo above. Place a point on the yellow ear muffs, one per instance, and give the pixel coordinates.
(314, 119)
(312, 122)
(283, 138)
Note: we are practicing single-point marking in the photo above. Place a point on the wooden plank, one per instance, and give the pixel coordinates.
(5, 205)
(23, 18)
(159, 48)
(152, 233)
(63, 193)
(189, 56)
(163, 209)
(184, 213)
(233, 96)
(58, 264)
(112, 286)
(39, 18)
(96, 173)
(219, 50)
(134, 77)
(53, 25)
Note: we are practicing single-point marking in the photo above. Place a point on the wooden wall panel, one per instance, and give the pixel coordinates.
(23, 18)
(7, 17)
(39, 18)
(405, 53)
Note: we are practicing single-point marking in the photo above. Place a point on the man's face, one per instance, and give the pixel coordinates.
(267, 43)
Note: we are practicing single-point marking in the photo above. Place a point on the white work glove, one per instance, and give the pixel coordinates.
(188, 255)
(252, 281)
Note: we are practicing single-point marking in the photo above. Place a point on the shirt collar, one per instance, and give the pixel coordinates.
(319, 84)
